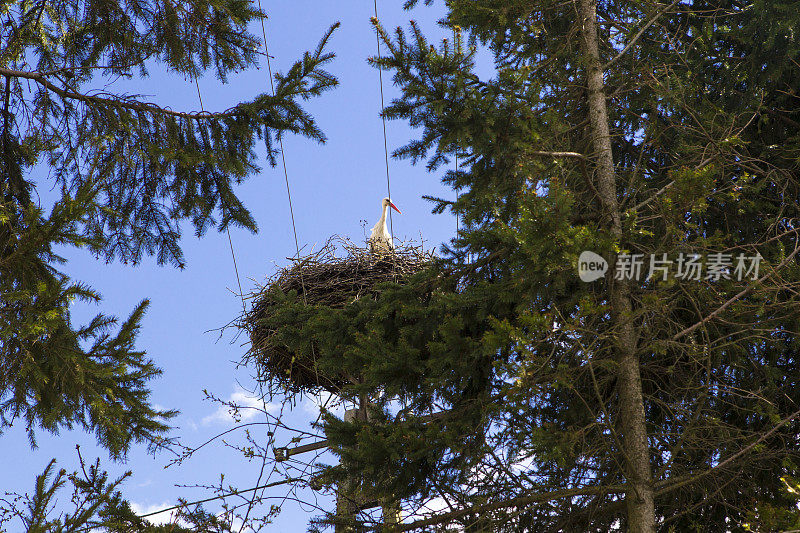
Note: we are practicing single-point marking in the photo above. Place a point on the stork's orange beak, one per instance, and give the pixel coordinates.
(395, 207)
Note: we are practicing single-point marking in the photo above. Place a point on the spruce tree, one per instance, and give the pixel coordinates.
(660, 403)
(128, 173)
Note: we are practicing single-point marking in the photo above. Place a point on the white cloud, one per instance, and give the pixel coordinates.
(166, 517)
(169, 517)
(434, 505)
(313, 403)
(522, 465)
(431, 507)
(248, 407)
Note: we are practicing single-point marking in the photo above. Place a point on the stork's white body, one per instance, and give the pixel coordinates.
(380, 240)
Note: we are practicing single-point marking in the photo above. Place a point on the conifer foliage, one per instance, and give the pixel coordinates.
(636, 403)
(127, 172)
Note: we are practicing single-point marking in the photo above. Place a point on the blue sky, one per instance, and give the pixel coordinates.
(334, 187)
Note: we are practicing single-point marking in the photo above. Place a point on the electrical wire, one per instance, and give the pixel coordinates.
(280, 138)
(221, 496)
(383, 119)
(227, 229)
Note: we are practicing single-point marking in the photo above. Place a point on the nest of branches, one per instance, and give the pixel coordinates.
(337, 275)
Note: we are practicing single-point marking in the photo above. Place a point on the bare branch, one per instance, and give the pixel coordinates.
(741, 294)
(690, 479)
(226, 495)
(639, 35)
(574, 155)
(513, 502)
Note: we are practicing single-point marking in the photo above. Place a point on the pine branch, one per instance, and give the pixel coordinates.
(133, 105)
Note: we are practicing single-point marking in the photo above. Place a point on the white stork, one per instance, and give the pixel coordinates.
(380, 240)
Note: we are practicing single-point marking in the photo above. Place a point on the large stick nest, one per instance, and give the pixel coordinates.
(337, 275)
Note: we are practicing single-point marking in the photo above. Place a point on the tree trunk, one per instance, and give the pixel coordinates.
(348, 492)
(639, 496)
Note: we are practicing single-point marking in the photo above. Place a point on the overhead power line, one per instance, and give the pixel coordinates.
(383, 119)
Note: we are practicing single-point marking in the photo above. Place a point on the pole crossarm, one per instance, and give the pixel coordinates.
(283, 453)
